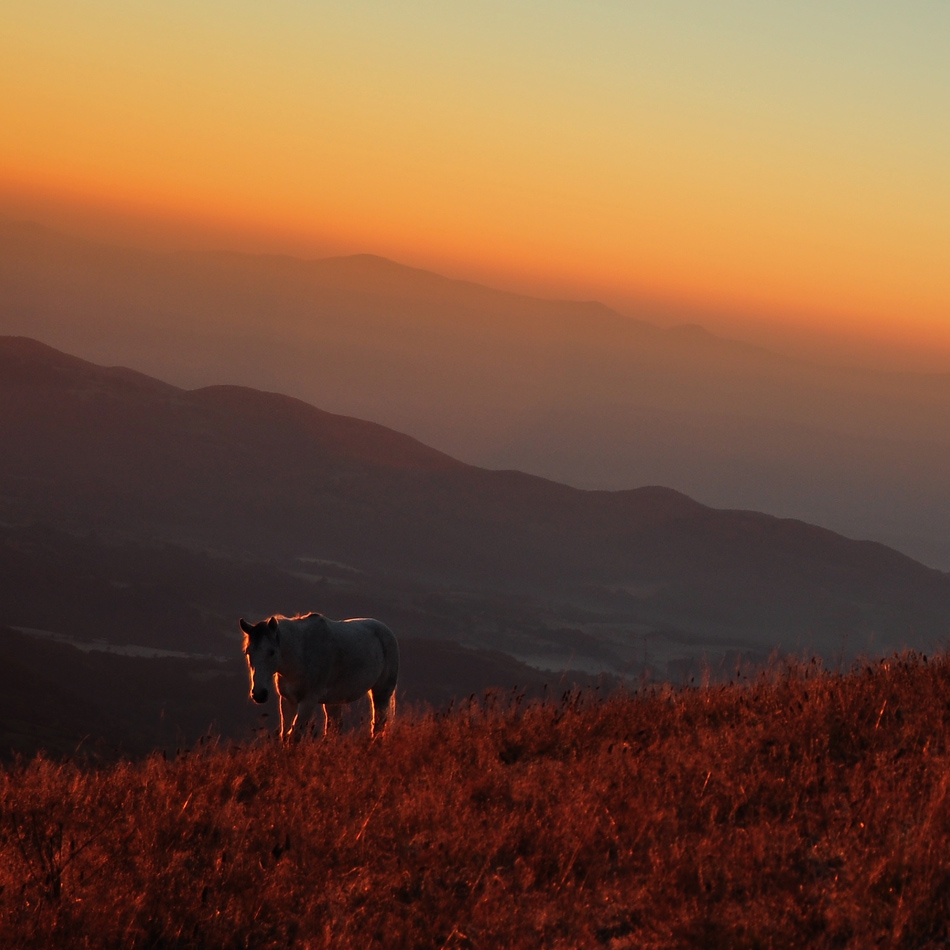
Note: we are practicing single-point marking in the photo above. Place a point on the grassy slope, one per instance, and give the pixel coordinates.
(804, 809)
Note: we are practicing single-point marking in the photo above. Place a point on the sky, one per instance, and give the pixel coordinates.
(753, 165)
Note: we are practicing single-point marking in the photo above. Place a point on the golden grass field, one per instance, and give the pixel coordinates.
(800, 809)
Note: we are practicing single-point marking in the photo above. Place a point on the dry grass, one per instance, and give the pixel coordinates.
(802, 810)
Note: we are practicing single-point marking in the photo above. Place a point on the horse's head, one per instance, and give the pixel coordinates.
(262, 649)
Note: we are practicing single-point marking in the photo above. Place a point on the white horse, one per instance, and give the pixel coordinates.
(314, 662)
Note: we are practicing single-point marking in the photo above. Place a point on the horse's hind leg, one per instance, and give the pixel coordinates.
(383, 704)
(383, 694)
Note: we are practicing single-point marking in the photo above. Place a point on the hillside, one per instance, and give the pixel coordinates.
(569, 390)
(277, 501)
(797, 810)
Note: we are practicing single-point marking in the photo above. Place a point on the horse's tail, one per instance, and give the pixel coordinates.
(384, 692)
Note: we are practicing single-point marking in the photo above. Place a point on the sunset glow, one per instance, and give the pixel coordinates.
(756, 162)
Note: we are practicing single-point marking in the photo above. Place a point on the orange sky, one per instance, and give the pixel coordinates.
(750, 167)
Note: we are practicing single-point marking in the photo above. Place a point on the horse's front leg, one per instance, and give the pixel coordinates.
(288, 713)
(333, 718)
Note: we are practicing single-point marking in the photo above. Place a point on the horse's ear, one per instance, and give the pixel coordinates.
(245, 626)
(273, 629)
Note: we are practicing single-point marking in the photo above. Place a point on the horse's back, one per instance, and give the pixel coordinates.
(385, 636)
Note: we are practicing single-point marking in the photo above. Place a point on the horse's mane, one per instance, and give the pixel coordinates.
(259, 632)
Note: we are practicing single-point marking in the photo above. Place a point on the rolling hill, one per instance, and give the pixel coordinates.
(568, 390)
(185, 508)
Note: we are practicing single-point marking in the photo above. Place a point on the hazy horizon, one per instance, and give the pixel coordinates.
(876, 348)
(572, 391)
(775, 174)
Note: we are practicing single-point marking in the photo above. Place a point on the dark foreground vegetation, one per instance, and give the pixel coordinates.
(804, 809)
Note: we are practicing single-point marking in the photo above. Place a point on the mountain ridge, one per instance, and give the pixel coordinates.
(568, 390)
(542, 566)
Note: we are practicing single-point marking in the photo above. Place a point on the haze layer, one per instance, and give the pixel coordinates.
(575, 392)
(759, 163)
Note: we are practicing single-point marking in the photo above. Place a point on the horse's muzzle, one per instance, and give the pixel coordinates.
(259, 695)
